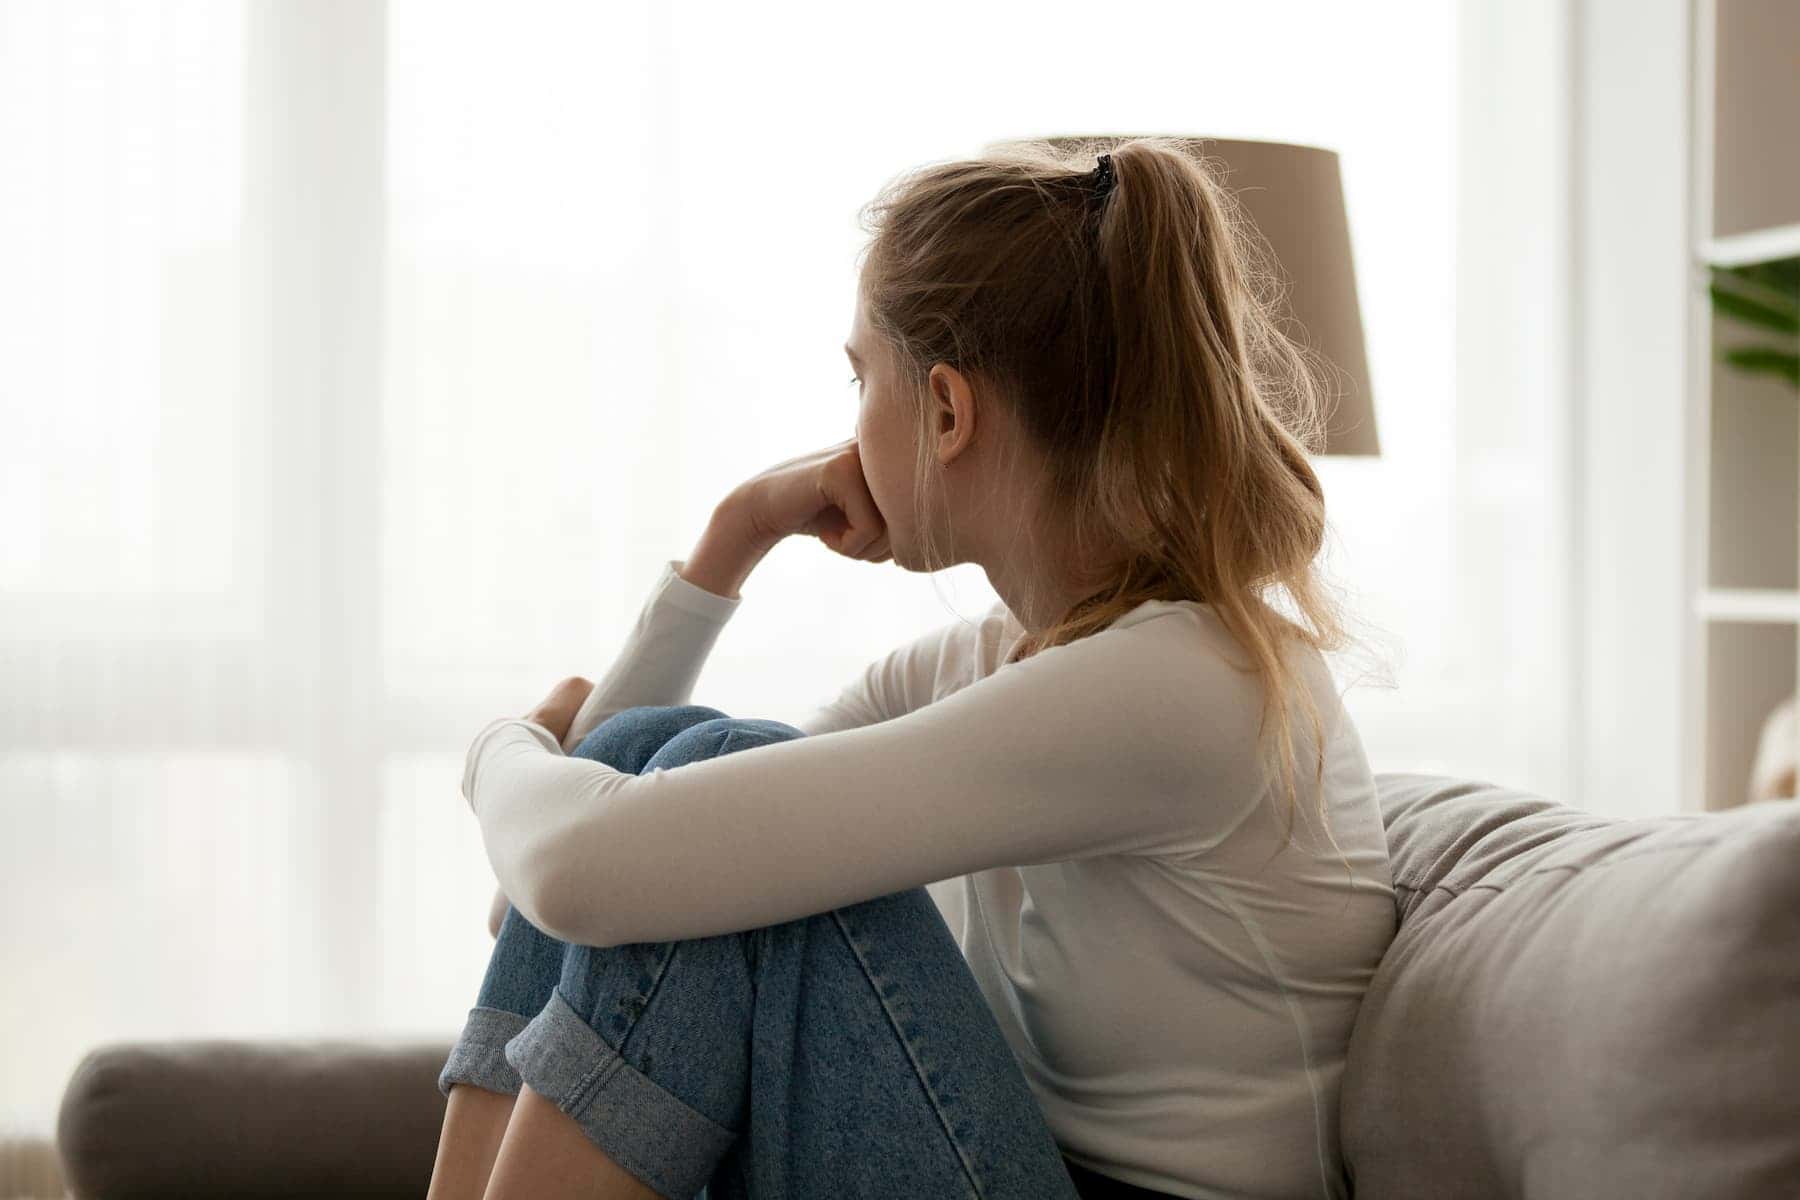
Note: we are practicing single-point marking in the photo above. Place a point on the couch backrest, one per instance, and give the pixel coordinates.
(1578, 1005)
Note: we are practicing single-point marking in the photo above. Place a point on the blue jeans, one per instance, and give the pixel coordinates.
(849, 1053)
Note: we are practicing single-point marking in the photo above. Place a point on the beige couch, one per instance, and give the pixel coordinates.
(1575, 1006)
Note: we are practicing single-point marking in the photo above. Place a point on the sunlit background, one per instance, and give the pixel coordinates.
(360, 365)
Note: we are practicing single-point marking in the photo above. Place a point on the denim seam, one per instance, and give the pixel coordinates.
(593, 1082)
(911, 1055)
(648, 994)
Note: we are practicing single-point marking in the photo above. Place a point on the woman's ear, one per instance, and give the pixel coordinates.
(953, 412)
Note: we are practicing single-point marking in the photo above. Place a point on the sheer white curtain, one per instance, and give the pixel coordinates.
(361, 363)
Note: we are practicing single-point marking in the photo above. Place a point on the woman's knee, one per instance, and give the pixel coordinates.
(717, 736)
(626, 740)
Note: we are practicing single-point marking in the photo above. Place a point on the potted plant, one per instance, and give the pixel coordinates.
(1765, 295)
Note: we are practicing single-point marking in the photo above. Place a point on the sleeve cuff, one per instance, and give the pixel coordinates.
(502, 730)
(671, 588)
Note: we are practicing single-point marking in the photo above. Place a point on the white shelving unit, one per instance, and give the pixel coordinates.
(1744, 543)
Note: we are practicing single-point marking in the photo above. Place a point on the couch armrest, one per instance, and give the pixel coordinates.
(253, 1118)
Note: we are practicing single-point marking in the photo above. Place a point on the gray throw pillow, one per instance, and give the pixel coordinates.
(1578, 1005)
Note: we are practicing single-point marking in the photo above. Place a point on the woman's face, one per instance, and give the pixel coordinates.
(886, 439)
(983, 505)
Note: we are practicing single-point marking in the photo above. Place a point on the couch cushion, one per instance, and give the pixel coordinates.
(1578, 1005)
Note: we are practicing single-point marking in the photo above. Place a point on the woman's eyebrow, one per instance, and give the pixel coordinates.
(852, 354)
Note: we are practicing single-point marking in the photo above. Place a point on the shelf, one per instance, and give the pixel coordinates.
(1753, 537)
(1749, 674)
(1741, 656)
(1758, 245)
(1755, 85)
(1756, 605)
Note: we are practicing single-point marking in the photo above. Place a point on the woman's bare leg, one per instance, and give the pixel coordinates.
(474, 1123)
(546, 1156)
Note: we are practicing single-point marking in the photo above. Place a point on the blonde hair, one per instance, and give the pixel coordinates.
(1135, 338)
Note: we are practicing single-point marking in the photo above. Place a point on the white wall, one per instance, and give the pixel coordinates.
(1631, 203)
(1515, 433)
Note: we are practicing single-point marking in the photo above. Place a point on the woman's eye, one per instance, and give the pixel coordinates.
(854, 379)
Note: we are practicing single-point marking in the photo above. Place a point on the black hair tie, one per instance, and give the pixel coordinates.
(1103, 177)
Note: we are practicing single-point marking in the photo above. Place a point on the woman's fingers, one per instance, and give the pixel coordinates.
(557, 711)
(823, 494)
(846, 487)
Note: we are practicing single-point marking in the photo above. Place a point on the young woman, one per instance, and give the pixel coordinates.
(1132, 780)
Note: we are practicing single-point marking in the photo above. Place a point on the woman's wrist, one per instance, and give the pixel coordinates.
(727, 551)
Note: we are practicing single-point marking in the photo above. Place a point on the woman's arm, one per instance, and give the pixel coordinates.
(822, 494)
(1122, 742)
(688, 607)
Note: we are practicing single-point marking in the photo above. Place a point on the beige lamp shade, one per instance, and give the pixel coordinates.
(1295, 198)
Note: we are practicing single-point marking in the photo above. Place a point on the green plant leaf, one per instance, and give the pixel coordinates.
(1778, 275)
(1754, 312)
(1766, 360)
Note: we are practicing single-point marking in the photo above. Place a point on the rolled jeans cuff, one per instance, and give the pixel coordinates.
(479, 1053)
(638, 1123)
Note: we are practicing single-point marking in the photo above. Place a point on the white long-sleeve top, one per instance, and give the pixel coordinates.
(1093, 823)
